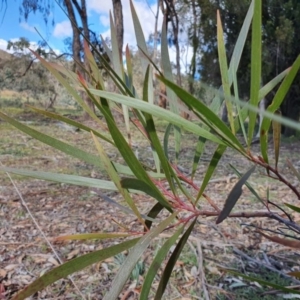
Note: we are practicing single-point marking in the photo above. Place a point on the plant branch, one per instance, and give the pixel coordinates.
(261, 214)
(261, 264)
(260, 161)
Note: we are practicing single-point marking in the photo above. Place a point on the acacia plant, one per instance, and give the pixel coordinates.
(175, 193)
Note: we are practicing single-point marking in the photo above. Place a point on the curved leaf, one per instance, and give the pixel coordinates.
(161, 113)
(63, 178)
(276, 139)
(155, 210)
(256, 46)
(125, 150)
(168, 73)
(166, 140)
(233, 196)
(157, 148)
(92, 236)
(150, 127)
(172, 261)
(74, 123)
(248, 185)
(114, 176)
(140, 38)
(224, 70)
(157, 262)
(205, 114)
(73, 266)
(198, 152)
(278, 99)
(293, 207)
(240, 43)
(67, 86)
(132, 258)
(211, 168)
(62, 146)
(136, 184)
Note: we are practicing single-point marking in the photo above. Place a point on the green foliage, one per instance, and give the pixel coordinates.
(16, 102)
(173, 192)
(279, 48)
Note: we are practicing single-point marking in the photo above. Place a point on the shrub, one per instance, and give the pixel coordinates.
(166, 183)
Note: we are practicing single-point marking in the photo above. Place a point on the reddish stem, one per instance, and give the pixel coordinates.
(262, 163)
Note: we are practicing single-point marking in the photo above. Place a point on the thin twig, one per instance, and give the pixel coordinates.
(201, 271)
(277, 231)
(279, 177)
(24, 204)
(211, 202)
(261, 214)
(266, 258)
(261, 264)
(286, 222)
(121, 207)
(277, 206)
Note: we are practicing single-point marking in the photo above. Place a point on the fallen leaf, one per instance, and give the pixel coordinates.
(213, 269)
(3, 273)
(53, 261)
(11, 267)
(73, 254)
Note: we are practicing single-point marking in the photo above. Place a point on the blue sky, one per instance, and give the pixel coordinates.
(98, 16)
(11, 28)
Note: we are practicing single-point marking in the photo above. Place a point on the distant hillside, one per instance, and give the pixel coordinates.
(24, 80)
(5, 55)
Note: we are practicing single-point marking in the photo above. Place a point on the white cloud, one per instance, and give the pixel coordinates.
(104, 20)
(62, 29)
(33, 46)
(145, 14)
(27, 27)
(3, 44)
(100, 6)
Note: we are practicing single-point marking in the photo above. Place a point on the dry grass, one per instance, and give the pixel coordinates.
(62, 209)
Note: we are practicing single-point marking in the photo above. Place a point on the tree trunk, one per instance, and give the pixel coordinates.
(195, 41)
(155, 35)
(84, 20)
(77, 46)
(170, 15)
(162, 100)
(118, 19)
